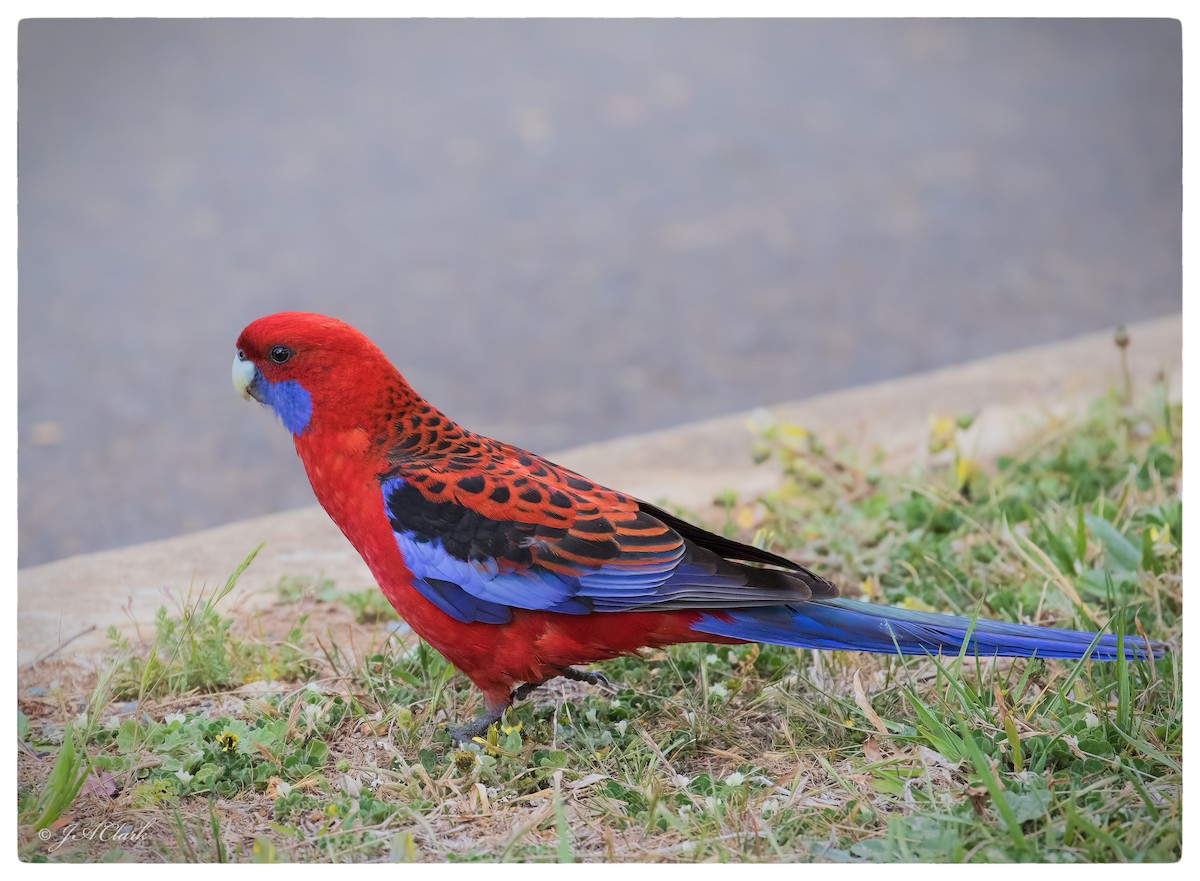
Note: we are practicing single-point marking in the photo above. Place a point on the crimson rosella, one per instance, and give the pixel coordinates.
(517, 570)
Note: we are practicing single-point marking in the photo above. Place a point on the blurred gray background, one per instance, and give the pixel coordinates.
(561, 231)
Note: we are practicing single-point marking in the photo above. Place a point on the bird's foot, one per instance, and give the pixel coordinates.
(591, 677)
(478, 728)
(524, 691)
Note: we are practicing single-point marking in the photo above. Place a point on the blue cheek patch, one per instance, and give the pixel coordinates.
(290, 401)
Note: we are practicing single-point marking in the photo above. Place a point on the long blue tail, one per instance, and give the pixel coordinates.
(856, 626)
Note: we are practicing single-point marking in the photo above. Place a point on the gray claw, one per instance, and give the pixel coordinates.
(591, 677)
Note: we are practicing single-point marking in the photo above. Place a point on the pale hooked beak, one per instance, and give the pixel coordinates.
(244, 374)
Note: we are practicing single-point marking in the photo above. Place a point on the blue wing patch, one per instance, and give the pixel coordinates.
(476, 590)
(459, 604)
(475, 568)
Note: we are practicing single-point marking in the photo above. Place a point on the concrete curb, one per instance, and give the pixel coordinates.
(78, 598)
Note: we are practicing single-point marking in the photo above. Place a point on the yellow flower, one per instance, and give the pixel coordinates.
(465, 760)
(965, 469)
(941, 433)
(1160, 540)
(227, 741)
(915, 605)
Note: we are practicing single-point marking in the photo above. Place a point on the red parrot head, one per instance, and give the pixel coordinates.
(315, 372)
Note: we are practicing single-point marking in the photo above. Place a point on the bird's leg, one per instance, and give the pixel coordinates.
(494, 712)
(591, 677)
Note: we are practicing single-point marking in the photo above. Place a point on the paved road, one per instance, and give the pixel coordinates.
(561, 231)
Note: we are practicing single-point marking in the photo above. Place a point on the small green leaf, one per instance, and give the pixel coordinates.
(1117, 548)
(1026, 806)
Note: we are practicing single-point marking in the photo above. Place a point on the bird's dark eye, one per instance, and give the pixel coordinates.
(279, 354)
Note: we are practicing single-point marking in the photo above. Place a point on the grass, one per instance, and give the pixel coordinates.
(220, 742)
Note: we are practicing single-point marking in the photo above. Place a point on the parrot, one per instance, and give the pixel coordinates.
(518, 570)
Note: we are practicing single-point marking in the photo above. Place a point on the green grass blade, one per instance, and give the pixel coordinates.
(994, 787)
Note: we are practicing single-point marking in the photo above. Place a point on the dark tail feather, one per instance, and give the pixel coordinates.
(846, 624)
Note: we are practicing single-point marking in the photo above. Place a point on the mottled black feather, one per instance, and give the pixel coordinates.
(729, 549)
